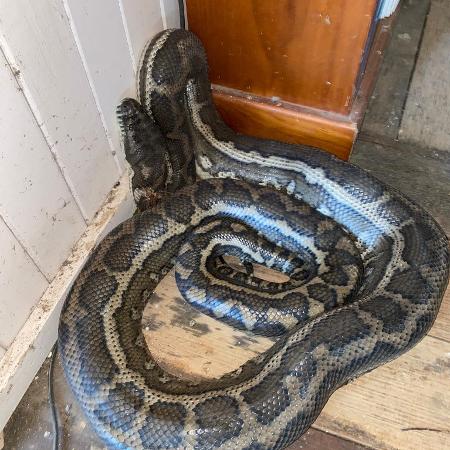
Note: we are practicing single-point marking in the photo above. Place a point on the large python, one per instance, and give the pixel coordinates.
(391, 256)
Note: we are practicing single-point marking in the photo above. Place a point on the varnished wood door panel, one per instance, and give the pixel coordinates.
(306, 52)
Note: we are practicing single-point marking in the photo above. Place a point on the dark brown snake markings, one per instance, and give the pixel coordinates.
(350, 305)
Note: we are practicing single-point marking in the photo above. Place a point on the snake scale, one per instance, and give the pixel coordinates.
(367, 270)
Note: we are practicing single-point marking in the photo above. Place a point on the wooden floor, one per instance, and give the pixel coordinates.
(402, 405)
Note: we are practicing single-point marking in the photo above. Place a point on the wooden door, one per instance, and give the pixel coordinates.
(286, 69)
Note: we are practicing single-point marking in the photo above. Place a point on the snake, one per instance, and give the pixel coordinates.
(366, 270)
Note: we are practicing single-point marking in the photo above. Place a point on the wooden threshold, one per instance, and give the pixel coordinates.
(257, 116)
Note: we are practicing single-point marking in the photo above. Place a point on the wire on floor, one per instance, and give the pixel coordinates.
(51, 398)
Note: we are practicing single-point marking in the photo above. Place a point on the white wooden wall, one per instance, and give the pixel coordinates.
(64, 67)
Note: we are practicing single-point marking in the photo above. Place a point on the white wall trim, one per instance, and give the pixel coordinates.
(34, 341)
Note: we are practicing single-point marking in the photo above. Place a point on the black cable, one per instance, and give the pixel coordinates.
(51, 398)
(181, 13)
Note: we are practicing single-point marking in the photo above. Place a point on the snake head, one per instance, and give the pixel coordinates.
(142, 138)
(146, 152)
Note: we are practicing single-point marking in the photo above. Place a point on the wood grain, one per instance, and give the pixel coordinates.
(191, 344)
(368, 77)
(441, 328)
(388, 99)
(315, 439)
(303, 51)
(258, 117)
(402, 405)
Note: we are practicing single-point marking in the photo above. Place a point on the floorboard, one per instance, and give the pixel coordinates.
(426, 114)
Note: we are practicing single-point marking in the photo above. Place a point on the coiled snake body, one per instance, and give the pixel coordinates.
(367, 270)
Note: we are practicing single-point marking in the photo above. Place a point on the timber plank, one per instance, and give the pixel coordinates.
(190, 344)
(318, 440)
(402, 405)
(441, 328)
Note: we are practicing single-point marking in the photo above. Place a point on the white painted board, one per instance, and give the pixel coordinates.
(170, 13)
(37, 40)
(35, 201)
(102, 42)
(142, 20)
(21, 286)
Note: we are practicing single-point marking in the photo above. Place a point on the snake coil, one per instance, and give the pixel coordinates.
(367, 271)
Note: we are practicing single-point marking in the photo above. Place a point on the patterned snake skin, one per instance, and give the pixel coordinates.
(367, 271)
